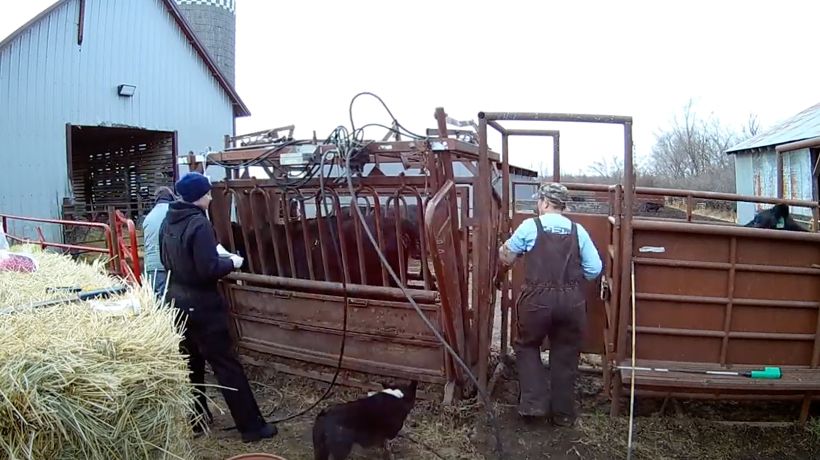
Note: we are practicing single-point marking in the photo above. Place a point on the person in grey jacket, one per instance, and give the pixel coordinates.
(154, 271)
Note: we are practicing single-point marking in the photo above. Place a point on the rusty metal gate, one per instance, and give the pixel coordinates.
(289, 300)
(707, 295)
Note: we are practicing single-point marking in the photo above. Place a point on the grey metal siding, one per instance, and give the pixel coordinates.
(47, 80)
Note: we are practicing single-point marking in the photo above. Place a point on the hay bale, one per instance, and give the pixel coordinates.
(79, 383)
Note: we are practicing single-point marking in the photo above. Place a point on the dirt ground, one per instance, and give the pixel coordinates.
(670, 430)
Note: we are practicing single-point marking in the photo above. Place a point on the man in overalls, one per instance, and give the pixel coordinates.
(558, 255)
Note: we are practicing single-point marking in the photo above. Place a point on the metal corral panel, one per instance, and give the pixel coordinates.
(797, 179)
(47, 80)
(726, 299)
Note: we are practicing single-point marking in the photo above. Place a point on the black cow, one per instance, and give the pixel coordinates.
(775, 218)
(367, 422)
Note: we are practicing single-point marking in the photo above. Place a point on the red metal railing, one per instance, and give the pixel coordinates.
(119, 252)
(126, 253)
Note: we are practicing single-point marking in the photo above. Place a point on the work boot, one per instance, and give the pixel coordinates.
(266, 432)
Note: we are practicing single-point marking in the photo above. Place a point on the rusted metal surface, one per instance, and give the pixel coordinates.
(385, 337)
(707, 296)
(723, 297)
(288, 302)
(804, 144)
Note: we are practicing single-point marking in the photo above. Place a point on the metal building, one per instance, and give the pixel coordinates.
(98, 99)
(791, 148)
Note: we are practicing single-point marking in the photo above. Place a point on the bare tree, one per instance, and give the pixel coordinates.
(752, 126)
(609, 167)
(691, 153)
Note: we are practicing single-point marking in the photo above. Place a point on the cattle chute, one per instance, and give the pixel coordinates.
(433, 208)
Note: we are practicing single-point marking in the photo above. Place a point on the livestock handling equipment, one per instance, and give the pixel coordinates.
(287, 303)
(709, 296)
(120, 245)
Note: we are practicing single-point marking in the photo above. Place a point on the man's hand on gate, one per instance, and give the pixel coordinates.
(500, 272)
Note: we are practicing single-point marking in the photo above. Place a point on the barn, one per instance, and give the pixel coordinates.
(100, 99)
(781, 162)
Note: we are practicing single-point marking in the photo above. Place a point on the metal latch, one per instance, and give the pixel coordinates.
(605, 291)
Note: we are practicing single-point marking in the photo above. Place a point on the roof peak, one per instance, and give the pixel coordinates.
(803, 125)
(239, 107)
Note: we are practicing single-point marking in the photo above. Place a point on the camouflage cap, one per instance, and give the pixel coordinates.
(554, 192)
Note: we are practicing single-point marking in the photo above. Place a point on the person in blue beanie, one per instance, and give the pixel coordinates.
(188, 251)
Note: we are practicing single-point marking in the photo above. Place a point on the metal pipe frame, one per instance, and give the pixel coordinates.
(791, 146)
(493, 119)
(106, 228)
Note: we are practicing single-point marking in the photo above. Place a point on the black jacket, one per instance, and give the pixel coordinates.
(188, 250)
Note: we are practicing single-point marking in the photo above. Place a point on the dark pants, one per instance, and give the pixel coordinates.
(563, 323)
(207, 339)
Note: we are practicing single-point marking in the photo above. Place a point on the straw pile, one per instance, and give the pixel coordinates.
(79, 383)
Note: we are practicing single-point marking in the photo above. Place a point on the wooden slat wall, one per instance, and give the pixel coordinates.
(123, 173)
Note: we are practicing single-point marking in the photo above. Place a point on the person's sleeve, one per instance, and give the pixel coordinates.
(208, 264)
(590, 260)
(523, 238)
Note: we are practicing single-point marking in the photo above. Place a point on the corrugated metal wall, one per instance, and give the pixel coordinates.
(744, 183)
(47, 80)
(756, 174)
(797, 179)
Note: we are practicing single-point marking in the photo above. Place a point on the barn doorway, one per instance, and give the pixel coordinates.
(119, 167)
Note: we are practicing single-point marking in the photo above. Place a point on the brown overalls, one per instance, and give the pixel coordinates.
(552, 303)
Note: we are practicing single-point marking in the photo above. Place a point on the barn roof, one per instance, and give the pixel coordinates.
(239, 107)
(804, 125)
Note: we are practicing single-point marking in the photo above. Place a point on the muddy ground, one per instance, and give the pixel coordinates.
(670, 430)
(663, 429)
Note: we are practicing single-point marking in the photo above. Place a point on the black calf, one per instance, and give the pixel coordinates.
(775, 218)
(368, 422)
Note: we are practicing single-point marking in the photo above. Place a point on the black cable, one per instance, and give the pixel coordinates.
(386, 265)
(337, 250)
(395, 121)
(343, 146)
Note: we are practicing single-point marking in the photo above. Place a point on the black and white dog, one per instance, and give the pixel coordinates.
(368, 422)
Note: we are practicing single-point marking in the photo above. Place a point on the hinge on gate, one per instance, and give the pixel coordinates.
(605, 291)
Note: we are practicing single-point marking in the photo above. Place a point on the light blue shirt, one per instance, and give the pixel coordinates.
(150, 227)
(523, 240)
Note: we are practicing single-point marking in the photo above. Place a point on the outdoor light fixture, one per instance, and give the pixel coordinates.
(126, 90)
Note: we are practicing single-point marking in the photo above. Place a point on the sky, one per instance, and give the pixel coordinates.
(301, 62)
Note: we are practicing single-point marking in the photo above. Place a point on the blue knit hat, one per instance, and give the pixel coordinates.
(193, 186)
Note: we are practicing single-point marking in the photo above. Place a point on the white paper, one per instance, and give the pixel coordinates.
(123, 306)
(222, 251)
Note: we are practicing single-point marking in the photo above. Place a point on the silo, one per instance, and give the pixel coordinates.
(214, 23)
